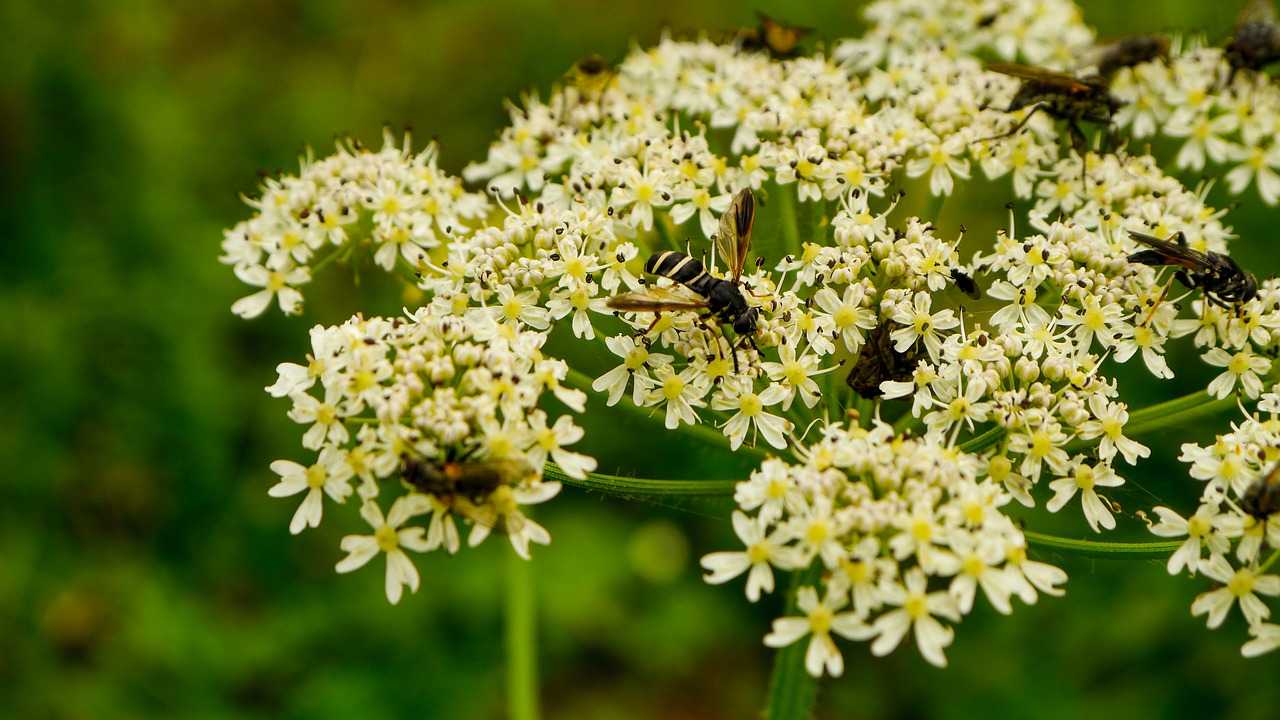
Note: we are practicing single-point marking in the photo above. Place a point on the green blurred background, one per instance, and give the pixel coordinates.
(145, 573)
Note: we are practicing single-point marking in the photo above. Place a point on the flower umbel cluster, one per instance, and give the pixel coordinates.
(1232, 537)
(906, 532)
(970, 369)
(394, 202)
(448, 424)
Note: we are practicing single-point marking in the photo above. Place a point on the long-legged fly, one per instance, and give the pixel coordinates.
(1223, 282)
(1060, 95)
(700, 290)
(1255, 42)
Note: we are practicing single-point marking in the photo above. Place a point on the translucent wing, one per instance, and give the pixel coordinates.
(1059, 80)
(733, 241)
(658, 299)
(1172, 253)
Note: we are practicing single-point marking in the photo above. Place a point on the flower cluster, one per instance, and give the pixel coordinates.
(394, 201)
(1241, 494)
(973, 378)
(449, 424)
(905, 533)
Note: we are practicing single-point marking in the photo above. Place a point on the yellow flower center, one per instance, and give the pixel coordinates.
(387, 538)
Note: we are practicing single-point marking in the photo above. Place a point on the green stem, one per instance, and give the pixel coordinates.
(907, 422)
(521, 640)
(792, 690)
(984, 441)
(662, 224)
(1098, 549)
(632, 486)
(932, 208)
(1186, 409)
(339, 251)
(788, 224)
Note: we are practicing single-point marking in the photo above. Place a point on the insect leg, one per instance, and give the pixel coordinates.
(1019, 126)
(702, 323)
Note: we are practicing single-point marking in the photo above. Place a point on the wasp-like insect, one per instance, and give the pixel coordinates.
(1255, 42)
(778, 39)
(878, 362)
(468, 486)
(1126, 52)
(1223, 282)
(722, 299)
(1062, 96)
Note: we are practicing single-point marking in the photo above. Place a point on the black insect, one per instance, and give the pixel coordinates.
(1255, 42)
(778, 39)
(1111, 55)
(1262, 499)
(722, 299)
(966, 283)
(878, 362)
(468, 486)
(1223, 282)
(1062, 96)
(473, 479)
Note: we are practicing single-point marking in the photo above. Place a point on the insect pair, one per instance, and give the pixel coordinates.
(721, 300)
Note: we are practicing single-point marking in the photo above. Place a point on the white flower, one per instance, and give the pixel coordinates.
(761, 554)
(921, 324)
(1266, 637)
(1238, 585)
(388, 537)
(820, 619)
(275, 284)
(1203, 529)
(1243, 365)
(1084, 478)
(916, 610)
(328, 476)
(751, 413)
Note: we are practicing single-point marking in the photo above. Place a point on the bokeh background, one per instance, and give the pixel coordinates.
(144, 572)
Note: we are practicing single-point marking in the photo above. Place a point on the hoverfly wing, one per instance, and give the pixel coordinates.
(733, 241)
(657, 299)
(1169, 253)
(1060, 80)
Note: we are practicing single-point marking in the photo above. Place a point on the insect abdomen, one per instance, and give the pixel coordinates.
(681, 268)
